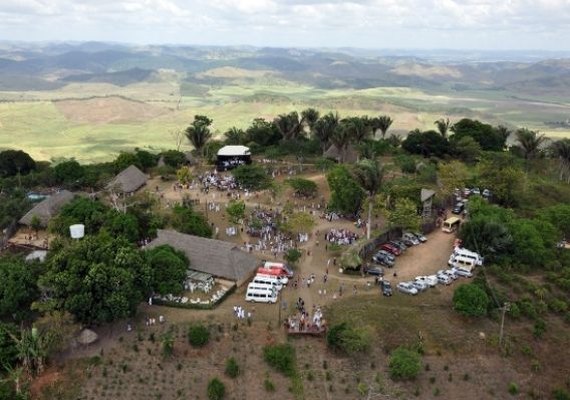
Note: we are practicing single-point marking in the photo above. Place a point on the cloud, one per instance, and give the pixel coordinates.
(366, 23)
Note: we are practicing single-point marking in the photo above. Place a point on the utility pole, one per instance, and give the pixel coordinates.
(506, 307)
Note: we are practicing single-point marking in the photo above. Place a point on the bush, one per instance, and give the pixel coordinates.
(251, 177)
(347, 339)
(268, 385)
(513, 388)
(539, 328)
(216, 389)
(404, 364)
(560, 394)
(198, 335)
(281, 357)
(303, 187)
(232, 368)
(470, 300)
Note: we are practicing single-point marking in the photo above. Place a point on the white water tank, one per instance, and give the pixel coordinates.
(77, 231)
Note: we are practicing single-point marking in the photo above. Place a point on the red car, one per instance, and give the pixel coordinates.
(391, 249)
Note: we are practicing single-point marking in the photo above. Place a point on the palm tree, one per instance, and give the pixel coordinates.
(310, 116)
(561, 150)
(290, 125)
(360, 128)
(369, 174)
(530, 142)
(341, 137)
(234, 136)
(504, 132)
(198, 133)
(324, 129)
(443, 126)
(383, 123)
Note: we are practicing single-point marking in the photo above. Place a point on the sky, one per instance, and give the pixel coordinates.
(401, 24)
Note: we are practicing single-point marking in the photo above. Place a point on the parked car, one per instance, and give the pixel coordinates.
(420, 237)
(387, 254)
(413, 239)
(391, 249)
(407, 242)
(399, 244)
(421, 286)
(383, 259)
(447, 272)
(462, 272)
(444, 279)
(475, 191)
(386, 288)
(458, 208)
(377, 271)
(486, 193)
(466, 192)
(407, 287)
(430, 280)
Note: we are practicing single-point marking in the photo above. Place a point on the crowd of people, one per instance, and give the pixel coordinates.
(218, 181)
(302, 322)
(341, 236)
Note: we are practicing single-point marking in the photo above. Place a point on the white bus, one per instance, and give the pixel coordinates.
(450, 225)
(462, 252)
(261, 294)
(268, 280)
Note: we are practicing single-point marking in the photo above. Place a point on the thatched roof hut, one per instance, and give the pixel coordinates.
(47, 208)
(221, 259)
(334, 153)
(129, 180)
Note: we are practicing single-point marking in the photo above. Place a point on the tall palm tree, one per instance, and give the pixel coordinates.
(324, 129)
(198, 133)
(561, 150)
(530, 142)
(290, 125)
(310, 116)
(360, 128)
(369, 174)
(443, 126)
(341, 137)
(504, 132)
(383, 123)
(234, 136)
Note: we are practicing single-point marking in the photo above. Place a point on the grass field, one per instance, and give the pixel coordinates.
(94, 121)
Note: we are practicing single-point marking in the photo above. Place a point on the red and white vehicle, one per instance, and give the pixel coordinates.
(278, 269)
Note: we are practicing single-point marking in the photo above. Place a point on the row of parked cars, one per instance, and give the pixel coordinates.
(388, 252)
(462, 262)
(270, 279)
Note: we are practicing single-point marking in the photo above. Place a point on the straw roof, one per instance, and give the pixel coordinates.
(350, 155)
(128, 180)
(47, 208)
(426, 194)
(216, 257)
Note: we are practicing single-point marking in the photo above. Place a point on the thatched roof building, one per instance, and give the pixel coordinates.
(129, 180)
(48, 208)
(334, 153)
(221, 259)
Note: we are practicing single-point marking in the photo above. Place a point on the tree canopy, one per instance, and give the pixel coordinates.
(18, 289)
(186, 220)
(427, 144)
(198, 133)
(252, 177)
(168, 269)
(13, 162)
(488, 137)
(471, 300)
(346, 193)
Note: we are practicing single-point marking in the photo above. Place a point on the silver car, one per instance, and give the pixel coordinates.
(444, 279)
(462, 272)
(421, 286)
(407, 287)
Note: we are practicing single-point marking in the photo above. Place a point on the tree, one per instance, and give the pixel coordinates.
(404, 214)
(184, 175)
(427, 144)
(348, 339)
(561, 150)
(558, 216)
(470, 300)
(15, 162)
(18, 289)
(452, 175)
(346, 193)
(443, 126)
(501, 174)
(8, 349)
(310, 116)
(467, 149)
(530, 142)
(488, 237)
(81, 210)
(216, 389)
(125, 160)
(503, 132)
(146, 159)
(97, 279)
(303, 187)
(341, 138)
(252, 177)
(324, 128)
(122, 224)
(184, 219)
(359, 128)
(211, 149)
(299, 222)
(198, 133)
(383, 123)
(69, 173)
(234, 136)
(533, 242)
(489, 138)
(173, 158)
(198, 335)
(168, 268)
(289, 125)
(236, 211)
(404, 363)
(292, 256)
(369, 174)
(263, 133)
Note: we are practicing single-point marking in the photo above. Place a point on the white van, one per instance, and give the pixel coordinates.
(462, 252)
(267, 273)
(261, 294)
(267, 280)
(466, 263)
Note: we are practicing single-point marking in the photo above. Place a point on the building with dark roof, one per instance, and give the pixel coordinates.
(128, 181)
(47, 208)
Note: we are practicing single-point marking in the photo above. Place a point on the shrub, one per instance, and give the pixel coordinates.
(404, 364)
(470, 300)
(198, 335)
(347, 339)
(513, 388)
(216, 389)
(268, 385)
(281, 357)
(539, 328)
(232, 368)
(560, 394)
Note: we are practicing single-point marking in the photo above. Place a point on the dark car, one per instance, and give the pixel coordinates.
(384, 258)
(378, 271)
(458, 208)
(391, 249)
(399, 244)
(386, 288)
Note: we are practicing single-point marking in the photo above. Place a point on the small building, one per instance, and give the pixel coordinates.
(334, 153)
(426, 197)
(215, 257)
(230, 157)
(128, 181)
(47, 208)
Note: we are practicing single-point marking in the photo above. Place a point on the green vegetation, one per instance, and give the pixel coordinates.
(216, 389)
(404, 363)
(303, 187)
(346, 194)
(198, 335)
(281, 357)
(232, 368)
(470, 300)
(350, 340)
(252, 177)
